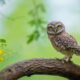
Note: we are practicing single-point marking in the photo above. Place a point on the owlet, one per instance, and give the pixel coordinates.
(61, 40)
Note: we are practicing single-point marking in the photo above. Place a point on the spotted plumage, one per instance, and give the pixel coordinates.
(61, 40)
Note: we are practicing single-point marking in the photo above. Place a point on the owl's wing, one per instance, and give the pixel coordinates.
(66, 42)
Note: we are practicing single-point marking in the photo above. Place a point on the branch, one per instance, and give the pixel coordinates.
(41, 66)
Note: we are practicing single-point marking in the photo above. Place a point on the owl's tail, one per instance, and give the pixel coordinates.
(77, 50)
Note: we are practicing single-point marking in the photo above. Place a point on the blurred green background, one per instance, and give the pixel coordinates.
(23, 30)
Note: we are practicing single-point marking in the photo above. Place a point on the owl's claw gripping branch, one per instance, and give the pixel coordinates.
(41, 66)
(67, 58)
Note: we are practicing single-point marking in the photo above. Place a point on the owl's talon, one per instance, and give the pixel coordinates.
(63, 60)
(69, 60)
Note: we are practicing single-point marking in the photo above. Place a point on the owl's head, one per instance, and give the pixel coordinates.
(55, 27)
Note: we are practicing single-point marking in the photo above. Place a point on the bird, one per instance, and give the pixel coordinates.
(62, 41)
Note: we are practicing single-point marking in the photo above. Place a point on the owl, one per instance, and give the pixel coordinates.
(62, 41)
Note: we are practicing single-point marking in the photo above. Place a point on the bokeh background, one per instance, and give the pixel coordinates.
(23, 30)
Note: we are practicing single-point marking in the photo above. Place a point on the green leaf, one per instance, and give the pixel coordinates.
(40, 21)
(31, 12)
(32, 22)
(41, 6)
(30, 38)
(37, 35)
(2, 40)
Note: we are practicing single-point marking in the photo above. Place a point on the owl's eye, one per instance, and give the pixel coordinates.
(59, 26)
(50, 28)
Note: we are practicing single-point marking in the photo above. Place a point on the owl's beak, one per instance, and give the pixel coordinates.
(55, 30)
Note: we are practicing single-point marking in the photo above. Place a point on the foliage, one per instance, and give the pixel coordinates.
(2, 46)
(4, 50)
(2, 42)
(37, 21)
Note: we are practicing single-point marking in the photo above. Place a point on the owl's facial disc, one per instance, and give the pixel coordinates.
(55, 27)
(51, 29)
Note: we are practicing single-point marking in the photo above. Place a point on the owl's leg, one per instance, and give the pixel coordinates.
(69, 58)
(64, 59)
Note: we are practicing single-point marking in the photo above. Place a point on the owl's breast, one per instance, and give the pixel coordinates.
(52, 39)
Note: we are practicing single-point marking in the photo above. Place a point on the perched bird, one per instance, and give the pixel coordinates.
(61, 40)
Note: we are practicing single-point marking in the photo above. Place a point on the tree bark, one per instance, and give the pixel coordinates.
(41, 66)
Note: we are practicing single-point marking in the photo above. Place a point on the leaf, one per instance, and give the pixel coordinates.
(30, 39)
(2, 40)
(31, 12)
(40, 21)
(32, 22)
(34, 36)
(37, 35)
(41, 6)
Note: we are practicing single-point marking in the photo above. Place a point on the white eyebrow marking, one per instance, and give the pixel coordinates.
(58, 24)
